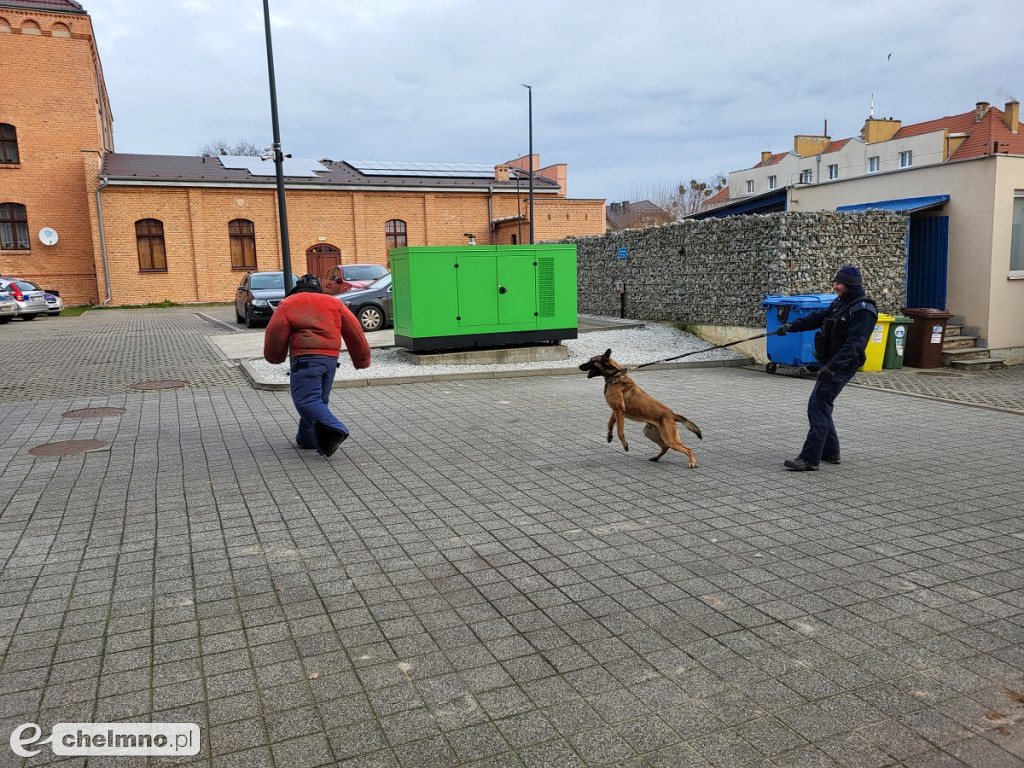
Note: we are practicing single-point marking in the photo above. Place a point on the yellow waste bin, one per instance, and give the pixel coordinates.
(876, 344)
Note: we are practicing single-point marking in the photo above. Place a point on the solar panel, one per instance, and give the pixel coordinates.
(417, 168)
(292, 166)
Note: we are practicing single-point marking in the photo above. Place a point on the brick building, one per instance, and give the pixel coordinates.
(134, 229)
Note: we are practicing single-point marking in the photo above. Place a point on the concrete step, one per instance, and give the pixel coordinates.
(966, 353)
(953, 330)
(958, 342)
(978, 364)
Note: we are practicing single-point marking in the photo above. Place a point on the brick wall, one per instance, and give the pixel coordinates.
(195, 221)
(718, 271)
(58, 109)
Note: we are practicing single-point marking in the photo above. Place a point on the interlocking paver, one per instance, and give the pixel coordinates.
(478, 578)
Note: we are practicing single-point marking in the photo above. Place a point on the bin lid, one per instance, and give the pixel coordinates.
(884, 318)
(801, 300)
(903, 319)
(927, 312)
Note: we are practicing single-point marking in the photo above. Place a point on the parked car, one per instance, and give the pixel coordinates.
(54, 303)
(371, 305)
(258, 296)
(8, 307)
(351, 277)
(29, 297)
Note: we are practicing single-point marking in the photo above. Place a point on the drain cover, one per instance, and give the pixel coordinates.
(161, 384)
(92, 413)
(67, 447)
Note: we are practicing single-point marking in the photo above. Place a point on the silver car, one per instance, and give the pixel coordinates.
(29, 297)
(8, 307)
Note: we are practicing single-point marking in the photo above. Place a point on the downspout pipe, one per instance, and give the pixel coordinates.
(103, 236)
(490, 215)
(103, 241)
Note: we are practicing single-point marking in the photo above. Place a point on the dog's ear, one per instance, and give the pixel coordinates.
(606, 355)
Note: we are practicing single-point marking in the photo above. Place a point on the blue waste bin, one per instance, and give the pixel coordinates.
(793, 349)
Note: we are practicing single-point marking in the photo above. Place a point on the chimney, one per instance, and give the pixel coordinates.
(625, 207)
(980, 109)
(1011, 116)
(501, 172)
(615, 207)
(765, 157)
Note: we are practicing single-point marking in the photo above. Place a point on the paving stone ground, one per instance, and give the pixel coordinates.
(478, 579)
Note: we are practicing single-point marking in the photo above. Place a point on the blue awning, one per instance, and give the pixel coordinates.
(906, 205)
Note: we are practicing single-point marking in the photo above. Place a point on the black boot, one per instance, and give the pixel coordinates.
(328, 439)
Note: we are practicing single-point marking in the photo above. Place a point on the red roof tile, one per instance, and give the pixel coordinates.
(981, 135)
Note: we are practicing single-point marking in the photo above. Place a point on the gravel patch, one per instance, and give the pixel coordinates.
(630, 346)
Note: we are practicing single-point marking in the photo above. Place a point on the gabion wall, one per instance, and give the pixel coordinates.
(718, 271)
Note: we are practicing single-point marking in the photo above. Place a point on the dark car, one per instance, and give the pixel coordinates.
(258, 296)
(351, 277)
(371, 305)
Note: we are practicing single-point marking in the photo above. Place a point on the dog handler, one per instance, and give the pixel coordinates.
(309, 326)
(846, 326)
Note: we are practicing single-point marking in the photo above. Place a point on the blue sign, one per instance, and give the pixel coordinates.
(622, 253)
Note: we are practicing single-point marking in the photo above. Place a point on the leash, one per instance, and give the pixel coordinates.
(709, 349)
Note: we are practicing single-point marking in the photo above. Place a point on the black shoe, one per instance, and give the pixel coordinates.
(799, 465)
(834, 459)
(328, 439)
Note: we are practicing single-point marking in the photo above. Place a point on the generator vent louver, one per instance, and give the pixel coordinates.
(545, 286)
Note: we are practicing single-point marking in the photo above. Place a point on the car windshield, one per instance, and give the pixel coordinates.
(382, 282)
(361, 272)
(26, 285)
(269, 281)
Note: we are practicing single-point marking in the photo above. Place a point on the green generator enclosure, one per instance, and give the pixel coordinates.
(460, 297)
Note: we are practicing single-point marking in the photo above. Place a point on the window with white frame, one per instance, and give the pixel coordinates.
(749, 186)
(906, 159)
(874, 164)
(773, 182)
(1017, 237)
(806, 176)
(833, 172)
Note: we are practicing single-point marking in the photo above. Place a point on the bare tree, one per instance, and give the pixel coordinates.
(222, 147)
(683, 199)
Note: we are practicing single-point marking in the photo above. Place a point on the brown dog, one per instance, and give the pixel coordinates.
(628, 401)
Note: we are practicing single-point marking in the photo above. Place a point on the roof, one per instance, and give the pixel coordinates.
(904, 205)
(768, 202)
(835, 146)
(642, 213)
(982, 134)
(777, 157)
(189, 170)
(60, 6)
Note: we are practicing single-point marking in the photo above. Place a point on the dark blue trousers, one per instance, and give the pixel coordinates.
(822, 439)
(312, 377)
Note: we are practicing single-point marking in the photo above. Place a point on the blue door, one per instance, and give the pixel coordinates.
(927, 248)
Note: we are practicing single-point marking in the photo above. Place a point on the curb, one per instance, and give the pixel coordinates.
(259, 383)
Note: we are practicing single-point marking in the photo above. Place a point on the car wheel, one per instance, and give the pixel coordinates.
(54, 314)
(33, 316)
(250, 321)
(371, 318)
(5, 319)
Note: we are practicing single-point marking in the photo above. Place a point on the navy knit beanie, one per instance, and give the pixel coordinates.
(849, 276)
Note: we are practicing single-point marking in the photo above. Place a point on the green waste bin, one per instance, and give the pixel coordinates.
(897, 342)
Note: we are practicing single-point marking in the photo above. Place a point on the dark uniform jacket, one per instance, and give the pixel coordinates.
(846, 325)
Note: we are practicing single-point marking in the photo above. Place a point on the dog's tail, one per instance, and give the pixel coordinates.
(689, 425)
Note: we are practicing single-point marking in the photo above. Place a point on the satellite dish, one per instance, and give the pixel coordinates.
(48, 236)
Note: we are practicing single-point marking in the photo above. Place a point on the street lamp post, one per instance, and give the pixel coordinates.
(529, 89)
(286, 256)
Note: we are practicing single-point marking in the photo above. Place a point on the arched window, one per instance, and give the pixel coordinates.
(13, 227)
(243, 244)
(395, 232)
(8, 144)
(149, 236)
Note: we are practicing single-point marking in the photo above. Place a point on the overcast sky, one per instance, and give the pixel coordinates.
(634, 95)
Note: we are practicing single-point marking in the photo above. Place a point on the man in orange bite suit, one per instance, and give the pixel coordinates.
(309, 326)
